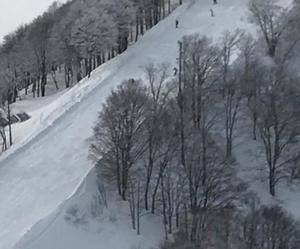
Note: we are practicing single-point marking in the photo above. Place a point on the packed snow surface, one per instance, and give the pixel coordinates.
(83, 221)
(50, 159)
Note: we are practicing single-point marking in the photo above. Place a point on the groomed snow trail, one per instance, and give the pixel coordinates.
(41, 174)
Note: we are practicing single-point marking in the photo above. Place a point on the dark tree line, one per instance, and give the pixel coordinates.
(78, 35)
(71, 39)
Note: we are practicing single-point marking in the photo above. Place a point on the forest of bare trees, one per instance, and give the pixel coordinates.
(166, 144)
(70, 39)
(155, 138)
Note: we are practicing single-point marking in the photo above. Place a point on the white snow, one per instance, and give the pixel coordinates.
(66, 228)
(40, 172)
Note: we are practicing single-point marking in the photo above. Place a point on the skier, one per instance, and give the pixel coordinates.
(215, 2)
(212, 12)
(175, 71)
(176, 23)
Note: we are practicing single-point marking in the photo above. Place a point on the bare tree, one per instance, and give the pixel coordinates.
(230, 78)
(201, 59)
(219, 189)
(3, 124)
(278, 118)
(277, 229)
(39, 39)
(117, 135)
(232, 102)
(181, 102)
(250, 80)
(272, 20)
(156, 78)
(132, 199)
(166, 154)
(6, 99)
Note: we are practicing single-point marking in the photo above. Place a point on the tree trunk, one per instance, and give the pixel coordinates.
(272, 181)
(34, 88)
(99, 60)
(170, 209)
(124, 181)
(194, 228)
(163, 8)
(78, 73)
(272, 48)
(86, 65)
(90, 65)
(136, 27)
(44, 76)
(228, 147)
(149, 170)
(112, 53)
(103, 57)
(132, 207)
(254, 128)
(181, 107)
(141, 18)
(138, 210)
(53, 74)
(165, 220)
(177, 214)
(38, 87)
(186, 220)
(155, 193)
(67, 77)
(204, 161)
(94, 62)
(4, 142)
(119, 183)
(9, 124)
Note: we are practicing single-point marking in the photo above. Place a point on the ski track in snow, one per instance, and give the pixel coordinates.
(39, 173)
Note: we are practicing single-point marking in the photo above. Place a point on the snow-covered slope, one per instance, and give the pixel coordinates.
(41, 172)
(83, 221)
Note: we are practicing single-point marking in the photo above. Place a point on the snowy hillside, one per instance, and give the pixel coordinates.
(84, 222)
(40, 173)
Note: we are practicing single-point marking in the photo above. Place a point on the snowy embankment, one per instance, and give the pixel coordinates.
(39, 173)
(83, 221)
(45, 111)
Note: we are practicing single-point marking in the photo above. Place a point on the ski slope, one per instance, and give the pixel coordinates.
(110, 228)
(43, 170)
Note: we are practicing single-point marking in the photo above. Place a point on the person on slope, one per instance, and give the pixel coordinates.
(215, 2)
(175, 71)
(212, 13)
(176, 24)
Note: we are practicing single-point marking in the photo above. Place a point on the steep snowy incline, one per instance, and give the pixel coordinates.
(40, 175)
(84, 221)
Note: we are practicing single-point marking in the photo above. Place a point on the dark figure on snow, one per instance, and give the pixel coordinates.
(175, 71)
(215, 2)
(176, 23)
(212, 13)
